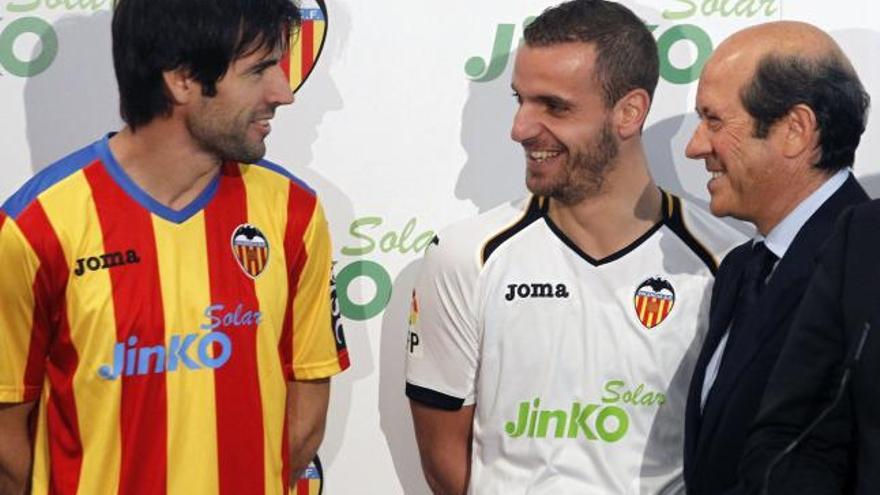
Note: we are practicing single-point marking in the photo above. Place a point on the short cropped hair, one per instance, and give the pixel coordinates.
(626, 53)
(202, 37)
(826, 85)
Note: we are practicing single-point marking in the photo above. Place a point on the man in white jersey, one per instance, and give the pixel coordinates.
(552, 340)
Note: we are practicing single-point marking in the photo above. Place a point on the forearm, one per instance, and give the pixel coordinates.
(9, 486)
(16, 452)
(307, 417)
(444, 440)
(447, 473)
(303, 447)
(14, 476)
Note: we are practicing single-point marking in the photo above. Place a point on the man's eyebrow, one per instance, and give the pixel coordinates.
(263, 64)
(702, 111)
(554, 101)
(550, 100)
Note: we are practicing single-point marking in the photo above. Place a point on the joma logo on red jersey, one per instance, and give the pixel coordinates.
(105, 261)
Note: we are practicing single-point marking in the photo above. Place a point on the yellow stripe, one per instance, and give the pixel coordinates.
(314, 344)
(296, 61)
(70, 208)
(16, 314)
(318, 32)
(267, 194)
(192, 420)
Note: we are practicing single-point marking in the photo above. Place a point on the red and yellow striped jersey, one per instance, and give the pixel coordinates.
(160, 342)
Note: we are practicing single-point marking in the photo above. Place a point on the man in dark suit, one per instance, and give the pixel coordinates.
(835, 329)
(781, 114)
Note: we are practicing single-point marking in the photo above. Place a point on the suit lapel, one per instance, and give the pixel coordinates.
(721, 311)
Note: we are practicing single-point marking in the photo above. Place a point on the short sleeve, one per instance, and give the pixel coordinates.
(22, 335)
(443, 342)
(318, 341)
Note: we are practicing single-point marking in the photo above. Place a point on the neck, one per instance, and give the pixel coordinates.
(162, 159)
(627, 206)
(798, 187)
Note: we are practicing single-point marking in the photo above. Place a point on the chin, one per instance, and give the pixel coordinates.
(718, 209)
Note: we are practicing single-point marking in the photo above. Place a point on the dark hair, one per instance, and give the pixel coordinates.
(827, 85)
(202, 37)
(626, 53)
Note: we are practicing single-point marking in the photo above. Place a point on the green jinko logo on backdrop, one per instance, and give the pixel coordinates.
(371, 235)
(478, 70)
(18, 20)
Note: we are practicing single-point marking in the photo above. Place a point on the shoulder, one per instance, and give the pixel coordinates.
(859, 225)
(268, 174)
(49, 178)
(864, 214)
(470, 242)
(708, 236)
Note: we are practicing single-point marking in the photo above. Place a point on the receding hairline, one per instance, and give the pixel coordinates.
(780, 39)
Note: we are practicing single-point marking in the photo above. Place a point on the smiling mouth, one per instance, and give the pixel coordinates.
(264, 125)
(540, 156)
(716, 174)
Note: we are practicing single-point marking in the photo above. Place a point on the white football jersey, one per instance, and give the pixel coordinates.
(578, 368)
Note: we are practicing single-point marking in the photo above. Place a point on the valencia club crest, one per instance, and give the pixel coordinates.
(251, 249)
(653, 301)
(307, 43)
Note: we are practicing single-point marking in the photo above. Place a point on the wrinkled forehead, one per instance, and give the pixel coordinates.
(726, 72)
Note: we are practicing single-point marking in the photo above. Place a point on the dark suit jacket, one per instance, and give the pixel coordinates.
(842, 455)
(714, 440)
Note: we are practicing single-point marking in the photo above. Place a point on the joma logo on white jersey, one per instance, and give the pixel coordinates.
(545, 289)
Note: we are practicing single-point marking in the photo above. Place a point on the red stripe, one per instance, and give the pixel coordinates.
(344, 363)
(237, 385)
(307, 35)
(137, 303)
(50, 315)
(300, 208)
(302, 487)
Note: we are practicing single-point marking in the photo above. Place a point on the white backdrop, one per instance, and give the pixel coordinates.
(402, 129)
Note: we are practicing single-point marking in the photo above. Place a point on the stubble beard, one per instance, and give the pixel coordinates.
(225, 137)
(584, 173)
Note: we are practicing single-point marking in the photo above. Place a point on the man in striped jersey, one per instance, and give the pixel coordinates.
(168, 320)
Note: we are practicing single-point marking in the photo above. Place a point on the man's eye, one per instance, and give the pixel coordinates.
(517, 97)
(556, 108)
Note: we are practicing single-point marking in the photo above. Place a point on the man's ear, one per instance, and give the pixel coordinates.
(799, 132)
(181, 87)
(630, 113)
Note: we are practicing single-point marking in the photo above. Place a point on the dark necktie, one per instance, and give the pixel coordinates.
(760, 263)
(742, 334)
